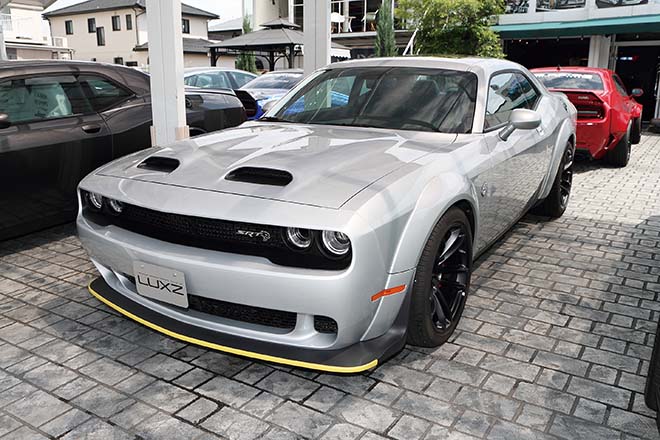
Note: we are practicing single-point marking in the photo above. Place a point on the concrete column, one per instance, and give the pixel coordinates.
(317, 35)
(599, 51)
(3, 49)
(168, 100)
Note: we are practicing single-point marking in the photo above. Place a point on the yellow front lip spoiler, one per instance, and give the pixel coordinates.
(236, 351)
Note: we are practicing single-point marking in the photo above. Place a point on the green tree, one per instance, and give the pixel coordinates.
(385, 41)
(454, 27)
(246, 60)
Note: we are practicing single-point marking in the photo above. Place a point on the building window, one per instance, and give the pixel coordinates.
(119, 60)
(100, 36)
(68, 27)
(116, 23)
(91, 25)
(132, 63)
(185, 23)
(129, 22)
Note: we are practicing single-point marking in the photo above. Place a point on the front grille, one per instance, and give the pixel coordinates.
(243, 313)
(323, 324)
(219, 235)
(239, 312)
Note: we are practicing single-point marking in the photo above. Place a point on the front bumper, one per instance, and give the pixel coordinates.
(353, 359)
(364, 325)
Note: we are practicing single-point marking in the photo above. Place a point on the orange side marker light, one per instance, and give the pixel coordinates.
(388, 292)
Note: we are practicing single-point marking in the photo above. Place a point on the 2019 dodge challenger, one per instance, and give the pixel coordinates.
(609, 118)
(59, 120)
(331, 231)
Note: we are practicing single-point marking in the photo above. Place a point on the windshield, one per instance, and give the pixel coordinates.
(397, 98)
(284, 81)
(571, 80)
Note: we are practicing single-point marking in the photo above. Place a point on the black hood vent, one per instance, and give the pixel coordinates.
(261, 176)
(160, 164)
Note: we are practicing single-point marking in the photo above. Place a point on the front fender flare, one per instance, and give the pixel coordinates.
(566, 132)
(440, 194)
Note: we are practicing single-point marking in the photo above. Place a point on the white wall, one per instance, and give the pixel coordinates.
(117, 43)
(120, 43)
(27, 25)
(590, 12)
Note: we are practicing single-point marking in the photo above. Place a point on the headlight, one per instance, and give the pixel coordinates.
(115, 206)
(336, 243)
(95, 200)
(299, 238)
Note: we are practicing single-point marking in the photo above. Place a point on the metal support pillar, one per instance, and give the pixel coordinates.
(317, 35)
(168, 100)
(599, 51)
(3, 49)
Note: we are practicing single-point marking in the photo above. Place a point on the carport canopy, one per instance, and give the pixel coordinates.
(603, 26)
(280, 38)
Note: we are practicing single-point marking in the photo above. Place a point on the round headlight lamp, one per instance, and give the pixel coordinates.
(115, 206)
(336, 243)
(95, 200)
(299, 238)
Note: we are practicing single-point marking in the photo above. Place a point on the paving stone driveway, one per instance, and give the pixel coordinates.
(554, 343)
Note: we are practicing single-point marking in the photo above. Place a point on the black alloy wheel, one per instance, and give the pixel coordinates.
(449, 279)
(566, 182)
(442, 281)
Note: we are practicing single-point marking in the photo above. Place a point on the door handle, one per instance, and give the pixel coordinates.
(91, 128)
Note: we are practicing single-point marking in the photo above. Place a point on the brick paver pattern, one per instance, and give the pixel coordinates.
(554, 343)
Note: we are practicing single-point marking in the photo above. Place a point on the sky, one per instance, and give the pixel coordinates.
(226, 9)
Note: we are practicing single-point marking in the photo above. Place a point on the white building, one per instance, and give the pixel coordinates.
(115, 31)
(26, 35)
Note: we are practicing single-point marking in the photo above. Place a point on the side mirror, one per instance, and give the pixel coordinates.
(268, 105)
(4, 121)
(521, 119)
(636, 93)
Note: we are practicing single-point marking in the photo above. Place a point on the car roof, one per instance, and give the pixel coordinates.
(483, 66)
(214, 69)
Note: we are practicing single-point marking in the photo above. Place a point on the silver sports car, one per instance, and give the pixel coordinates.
(343, 223)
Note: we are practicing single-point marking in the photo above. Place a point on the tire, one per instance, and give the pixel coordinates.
(636, 133)
(554, 205)
(425, 328)
(620, 155)
(653, 375)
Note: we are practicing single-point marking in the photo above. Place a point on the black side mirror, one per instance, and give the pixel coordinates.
(4, 121)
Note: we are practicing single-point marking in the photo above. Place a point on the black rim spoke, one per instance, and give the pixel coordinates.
(450, 278)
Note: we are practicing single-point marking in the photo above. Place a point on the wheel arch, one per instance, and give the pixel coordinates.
(566, 134)
(432, 204)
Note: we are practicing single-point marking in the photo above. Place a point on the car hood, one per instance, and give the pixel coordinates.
(327, 165)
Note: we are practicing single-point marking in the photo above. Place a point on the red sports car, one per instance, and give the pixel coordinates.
(609, 118)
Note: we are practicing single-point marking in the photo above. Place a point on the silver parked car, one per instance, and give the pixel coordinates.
(343, 223)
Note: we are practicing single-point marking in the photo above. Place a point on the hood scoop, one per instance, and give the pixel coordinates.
(160, 164)
(260, 176)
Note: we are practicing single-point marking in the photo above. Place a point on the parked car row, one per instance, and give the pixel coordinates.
(61, 120)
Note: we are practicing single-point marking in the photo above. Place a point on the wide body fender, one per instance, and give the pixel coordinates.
(566, 133)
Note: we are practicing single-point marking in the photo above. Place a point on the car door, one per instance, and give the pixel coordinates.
(54, 140)
(519, 164)
(624, 104)
(127, 116)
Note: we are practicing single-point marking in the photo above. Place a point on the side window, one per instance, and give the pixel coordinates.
(505, 94)
(42, 98)
(241, 78)
(190, 80)
(213, 80)
(619, 86)
(528, 90)
(101, 92)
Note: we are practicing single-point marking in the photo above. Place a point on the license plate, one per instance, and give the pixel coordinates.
(161, 283)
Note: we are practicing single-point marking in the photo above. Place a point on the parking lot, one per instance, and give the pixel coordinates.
(554, 343)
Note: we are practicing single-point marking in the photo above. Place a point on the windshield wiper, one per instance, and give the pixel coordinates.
(272, 119)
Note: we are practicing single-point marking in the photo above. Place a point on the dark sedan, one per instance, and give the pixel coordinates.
(60, 120)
